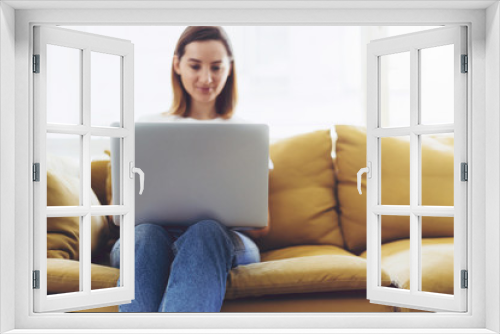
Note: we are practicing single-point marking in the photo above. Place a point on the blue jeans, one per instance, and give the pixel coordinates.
(184, 271)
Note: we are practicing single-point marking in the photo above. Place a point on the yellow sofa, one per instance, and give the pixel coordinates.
(314, 258)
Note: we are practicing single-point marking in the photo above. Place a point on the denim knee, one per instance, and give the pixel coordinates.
(149, 239)
(210, 230)
(208, 237)
(149, 232)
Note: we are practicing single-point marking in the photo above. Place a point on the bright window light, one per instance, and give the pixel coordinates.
(296, 79)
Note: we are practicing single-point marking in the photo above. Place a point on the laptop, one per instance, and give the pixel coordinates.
(197, 171)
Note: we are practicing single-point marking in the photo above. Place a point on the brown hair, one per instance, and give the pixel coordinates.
(226, 101)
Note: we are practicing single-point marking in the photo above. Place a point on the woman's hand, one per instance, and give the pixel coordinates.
(256, 234)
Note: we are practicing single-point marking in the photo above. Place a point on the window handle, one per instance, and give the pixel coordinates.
(368, 171)
(134, 170)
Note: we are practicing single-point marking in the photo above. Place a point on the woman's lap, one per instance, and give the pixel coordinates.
(155, 256)
(245, 249)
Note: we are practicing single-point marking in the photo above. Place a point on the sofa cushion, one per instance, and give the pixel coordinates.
(335, 301)
(302, 201)
(63, 276)
(437, 264)
(99, 175)
(301, 251)
(63, 233)
(437, 184)
(317, 273)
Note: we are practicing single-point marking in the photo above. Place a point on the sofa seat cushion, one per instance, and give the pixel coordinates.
(437, 264)
(301, 251)
(335, 301)
(317, 273)
(63, 276)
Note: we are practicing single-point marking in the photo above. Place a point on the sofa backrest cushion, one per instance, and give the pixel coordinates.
(63, 233)
(99, 176)
(437, 184)
(302, 203)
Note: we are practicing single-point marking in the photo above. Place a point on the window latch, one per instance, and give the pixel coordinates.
(368, 171)
(134, 170)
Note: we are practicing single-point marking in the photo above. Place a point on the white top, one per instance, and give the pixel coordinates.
(175, 118)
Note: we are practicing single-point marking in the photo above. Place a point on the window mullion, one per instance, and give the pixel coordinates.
(85, 115)
(414, 171)
(85, 236)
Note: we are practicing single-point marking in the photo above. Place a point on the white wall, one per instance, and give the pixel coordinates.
(7, 160)
(294, 78)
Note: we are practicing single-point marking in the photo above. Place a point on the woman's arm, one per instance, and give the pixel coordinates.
(255, 234)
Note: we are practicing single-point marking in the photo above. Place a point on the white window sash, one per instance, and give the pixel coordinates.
(86, 298)
(414, 298)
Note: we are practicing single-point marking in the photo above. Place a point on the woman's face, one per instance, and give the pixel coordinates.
(204, 69)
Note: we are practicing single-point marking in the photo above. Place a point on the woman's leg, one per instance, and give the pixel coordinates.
(153, 256)
(204, 256)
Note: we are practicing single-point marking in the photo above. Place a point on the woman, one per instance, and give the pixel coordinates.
(186, 270)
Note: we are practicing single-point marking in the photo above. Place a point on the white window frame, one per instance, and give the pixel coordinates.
(86, 43)
(413, 44)
(484, 120)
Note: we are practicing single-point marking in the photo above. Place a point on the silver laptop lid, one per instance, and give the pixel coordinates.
(196, 171)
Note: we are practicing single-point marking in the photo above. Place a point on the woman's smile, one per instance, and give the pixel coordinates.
(205, 90)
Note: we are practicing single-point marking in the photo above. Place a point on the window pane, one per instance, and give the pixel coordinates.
(100, 153)
(63, 169)
(104, 236)
(64, 81)
(395, 90)
(437, 255)
(395, 170)
(437, 169)
(63, 252)
(395, 255)
(105, 89)
(437, 85)
(106, 156)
